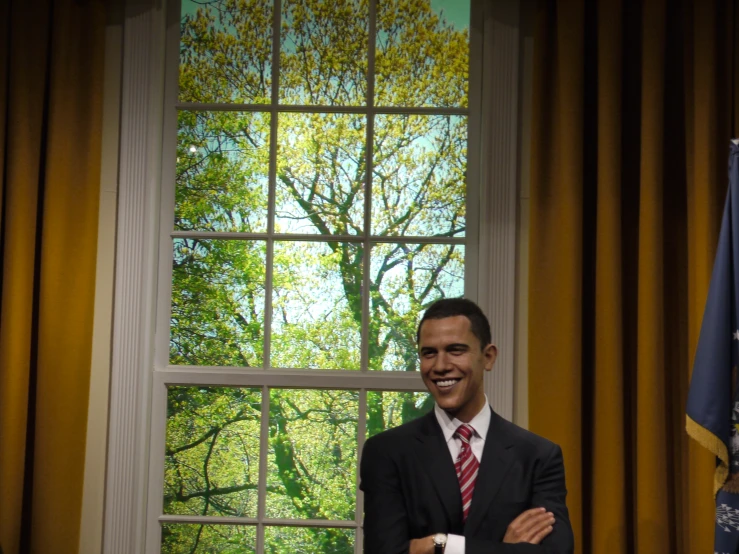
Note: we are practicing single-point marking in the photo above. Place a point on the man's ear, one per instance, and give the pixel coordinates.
(490, 353)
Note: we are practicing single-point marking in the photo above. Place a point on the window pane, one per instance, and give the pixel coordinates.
(313, 540)
(406, 279)
(222, 171)
(323, 57)
(226, 51)
(316, 305)
(419, 176)
(320, 174)
(422, 53)
(179, 538)
(212, 451)
(217, 302)
(312, 454)
(388, 409)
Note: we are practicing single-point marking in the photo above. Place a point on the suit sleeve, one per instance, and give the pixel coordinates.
(385, 518)
(550, 492)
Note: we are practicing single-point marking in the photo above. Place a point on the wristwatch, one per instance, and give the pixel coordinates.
(439, 543)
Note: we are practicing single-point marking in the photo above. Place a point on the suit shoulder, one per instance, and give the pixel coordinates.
(528, 438)
(399, 434)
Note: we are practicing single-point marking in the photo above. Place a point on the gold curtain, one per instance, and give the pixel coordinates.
(632, 116)
(51, 67)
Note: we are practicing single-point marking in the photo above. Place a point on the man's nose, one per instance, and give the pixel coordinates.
(441, 362)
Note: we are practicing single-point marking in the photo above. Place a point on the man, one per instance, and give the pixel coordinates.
(461, 479)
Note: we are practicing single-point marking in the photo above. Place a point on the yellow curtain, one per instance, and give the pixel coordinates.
(51, 62)
(632, 116)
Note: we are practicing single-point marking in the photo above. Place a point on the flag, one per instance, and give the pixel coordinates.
(712, 414)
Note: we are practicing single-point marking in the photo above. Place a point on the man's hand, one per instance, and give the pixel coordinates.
(531, 526)
(422, 546)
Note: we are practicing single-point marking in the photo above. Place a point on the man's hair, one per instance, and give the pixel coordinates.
(450, 307)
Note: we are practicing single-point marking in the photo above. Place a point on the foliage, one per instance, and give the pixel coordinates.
(321, 166)
(212, 462)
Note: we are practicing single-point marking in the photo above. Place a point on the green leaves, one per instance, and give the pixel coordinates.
(419, 177)
(313, 454)
(222, 171)
(421, 59)
(226, 51)
(212, 451)
(218, 303)
(321, 173)
(324, 54)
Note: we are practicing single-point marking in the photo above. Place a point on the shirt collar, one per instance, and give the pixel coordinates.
(480, 423)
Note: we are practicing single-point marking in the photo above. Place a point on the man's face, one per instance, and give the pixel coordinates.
(453, 364)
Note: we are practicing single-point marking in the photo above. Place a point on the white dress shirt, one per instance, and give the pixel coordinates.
(480, 423)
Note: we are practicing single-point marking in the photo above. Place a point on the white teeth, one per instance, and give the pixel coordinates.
(447, 383)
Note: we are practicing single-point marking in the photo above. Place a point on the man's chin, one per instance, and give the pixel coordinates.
(449, 406)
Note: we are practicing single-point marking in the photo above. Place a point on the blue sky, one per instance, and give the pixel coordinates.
(455, 11)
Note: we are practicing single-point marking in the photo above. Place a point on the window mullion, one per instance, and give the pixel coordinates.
(361, 436)
(366, 258)
(276, 22)
(263, 460)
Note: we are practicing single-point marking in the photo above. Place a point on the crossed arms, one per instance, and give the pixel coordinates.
(392, 527)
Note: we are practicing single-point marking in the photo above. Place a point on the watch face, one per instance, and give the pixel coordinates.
(440, 539)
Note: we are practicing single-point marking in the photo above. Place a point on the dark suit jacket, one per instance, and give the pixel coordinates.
(411, 489)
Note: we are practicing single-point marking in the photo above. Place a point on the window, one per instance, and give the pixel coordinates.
(314, 203)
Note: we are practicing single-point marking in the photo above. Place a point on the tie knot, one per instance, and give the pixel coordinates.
(465, 432)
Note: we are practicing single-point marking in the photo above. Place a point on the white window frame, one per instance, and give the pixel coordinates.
(139, 376)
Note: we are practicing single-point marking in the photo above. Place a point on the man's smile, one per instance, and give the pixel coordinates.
(446, 384)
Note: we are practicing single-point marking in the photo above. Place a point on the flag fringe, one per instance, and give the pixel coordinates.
(710, 442)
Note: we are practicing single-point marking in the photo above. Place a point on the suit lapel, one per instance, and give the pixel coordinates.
(497, 457)
(434, 458)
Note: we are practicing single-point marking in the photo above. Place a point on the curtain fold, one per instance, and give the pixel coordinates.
(634, 105)
(51, 68)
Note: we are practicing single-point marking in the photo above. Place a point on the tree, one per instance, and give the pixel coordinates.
(418, 176)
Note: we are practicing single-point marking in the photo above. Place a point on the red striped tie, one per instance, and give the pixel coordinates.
(466, 466)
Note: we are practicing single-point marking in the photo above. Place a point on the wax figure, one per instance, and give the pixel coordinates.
(461, 479)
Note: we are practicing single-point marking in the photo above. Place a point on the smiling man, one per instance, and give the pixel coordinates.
(461, 479)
